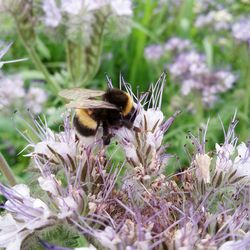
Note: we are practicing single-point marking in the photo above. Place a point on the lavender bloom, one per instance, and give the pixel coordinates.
(241, 29)
(54, 13)
(72, 7)
(133, 204)
(219, 20)
(154, 52)
(53, 16)
(188, 63)
(35, 98)
(11, 90)
(146, 143)
(12, 93)
(24, 215)
(176, 44)
(242, 160)
(84, 20)
(191, 70)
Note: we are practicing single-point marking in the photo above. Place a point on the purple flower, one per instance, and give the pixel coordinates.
(154, 52)
(241, 29)
(191, 70)
(52, 12)
(24, 215)
(176, 44)
(218, 20)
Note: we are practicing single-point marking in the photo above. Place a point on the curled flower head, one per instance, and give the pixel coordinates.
(142, 145)
(24, 215)
(131, 203)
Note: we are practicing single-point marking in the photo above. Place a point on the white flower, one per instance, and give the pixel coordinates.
(108, 238)
(121, 7)
(149, 120)
(11, 90)
(35, 98)
(202, 162)
(219, 20)
(71, 204)
(241, 29)
(52, 13)
(224, 154)
(242, 160)
(186, 237)
(62, 144)
(72, 6)
(117, 7)
(24, 215)
(49, 184)
(11, 233)
(230, 245)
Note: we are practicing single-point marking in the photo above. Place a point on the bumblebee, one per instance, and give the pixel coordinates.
(94, 108)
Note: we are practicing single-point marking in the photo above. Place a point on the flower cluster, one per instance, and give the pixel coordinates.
(173, 45)
(82, 17)
(213, 15)
(132, 203)
(13, 93)
(240, 30)
(219, 20)
(190, 68)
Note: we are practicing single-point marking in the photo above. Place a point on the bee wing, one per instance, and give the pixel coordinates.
(79, 93)
(90, 104)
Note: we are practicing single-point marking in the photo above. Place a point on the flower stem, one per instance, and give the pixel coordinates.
(247, 79)
(246, 83)
(6, 170)
(38, 63)
(199, 108)
(75, 65)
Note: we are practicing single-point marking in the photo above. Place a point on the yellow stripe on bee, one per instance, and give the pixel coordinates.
(129, 105)
(85, 119)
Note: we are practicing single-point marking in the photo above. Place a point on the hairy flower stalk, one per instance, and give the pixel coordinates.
(130, 203)
(84, 23)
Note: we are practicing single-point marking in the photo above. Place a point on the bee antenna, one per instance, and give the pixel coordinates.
(109, 82)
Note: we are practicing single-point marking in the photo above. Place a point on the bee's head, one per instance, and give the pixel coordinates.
(121, 99)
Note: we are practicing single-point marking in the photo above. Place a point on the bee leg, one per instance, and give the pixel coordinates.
(106, 135)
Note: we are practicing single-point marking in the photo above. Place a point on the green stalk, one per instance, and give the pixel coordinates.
(140, 39)
(6, 170)
(247, 92)
(199, 109)
(37, 62)
(247, 80)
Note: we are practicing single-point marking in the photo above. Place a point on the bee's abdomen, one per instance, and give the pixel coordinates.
(84, 123)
